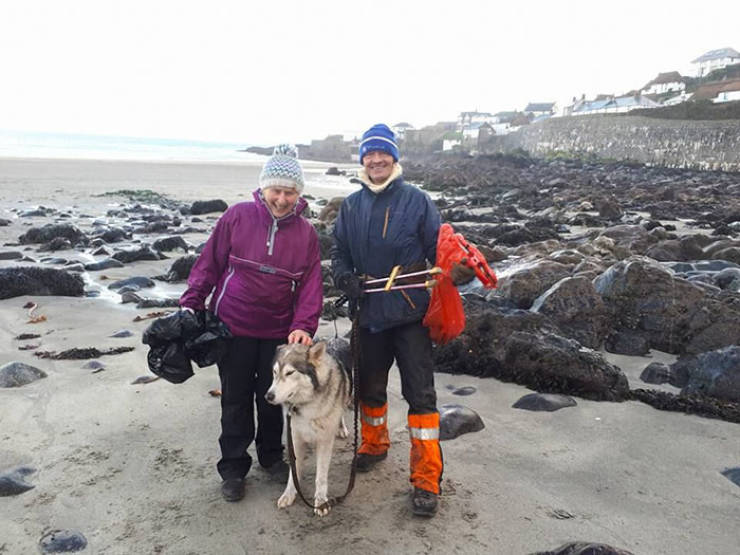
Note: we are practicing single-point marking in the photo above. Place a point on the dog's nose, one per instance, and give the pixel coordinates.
(270, 396)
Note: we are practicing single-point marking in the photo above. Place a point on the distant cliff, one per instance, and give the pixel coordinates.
(331, 149)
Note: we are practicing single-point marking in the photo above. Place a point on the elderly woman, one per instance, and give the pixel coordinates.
(262, 268)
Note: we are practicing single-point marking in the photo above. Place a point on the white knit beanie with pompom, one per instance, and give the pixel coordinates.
(282, 169)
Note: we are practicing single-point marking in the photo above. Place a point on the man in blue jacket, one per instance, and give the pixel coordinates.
(384, 224)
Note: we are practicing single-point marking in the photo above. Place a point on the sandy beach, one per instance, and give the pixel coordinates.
(132, 467)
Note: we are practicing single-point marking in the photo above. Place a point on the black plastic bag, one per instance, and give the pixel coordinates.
(183, 336)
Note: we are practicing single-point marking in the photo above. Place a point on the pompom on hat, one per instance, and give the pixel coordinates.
(282, 169)
(379, 137)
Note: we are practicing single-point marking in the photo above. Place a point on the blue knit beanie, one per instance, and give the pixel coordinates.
(282, 169)
(379, 137)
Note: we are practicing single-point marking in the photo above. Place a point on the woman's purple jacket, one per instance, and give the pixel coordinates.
(266, 272)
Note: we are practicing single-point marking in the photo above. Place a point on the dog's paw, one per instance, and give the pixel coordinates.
(322, 507)
(286, 499)
(342, 432)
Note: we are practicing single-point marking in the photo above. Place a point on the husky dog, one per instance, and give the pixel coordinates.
(315, 390)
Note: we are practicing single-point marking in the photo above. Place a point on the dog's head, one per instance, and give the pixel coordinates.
(295, 373)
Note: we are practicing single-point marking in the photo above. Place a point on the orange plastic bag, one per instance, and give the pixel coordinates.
(445, 316)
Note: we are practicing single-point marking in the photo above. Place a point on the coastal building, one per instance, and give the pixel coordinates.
(466, 119)
(400, 129)
(538, 109)
(670, 81)
(715, 59)
(610, 105)
(720, 91)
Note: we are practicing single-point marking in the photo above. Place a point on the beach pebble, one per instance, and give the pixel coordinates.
(732, 474)
(584, 548)
(93, 365)
(144, 379)
(11, 255)
(91, 293)
(62, 541)
(455, 420)
(4, 222)
(170, 244)
(464, 390)
(122, 333)
(17, 374)
(544, 402)
(142, 253)
(103, 265)
(13, 481)
(134, 283)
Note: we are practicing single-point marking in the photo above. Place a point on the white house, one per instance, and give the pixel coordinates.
(729, 92)
(400, 129)
(536, 109)
(450, 144)
(466, 119)
(665, 82)
(715, 59)
(612, 105)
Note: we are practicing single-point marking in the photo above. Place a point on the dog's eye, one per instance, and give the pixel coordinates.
(289, 372)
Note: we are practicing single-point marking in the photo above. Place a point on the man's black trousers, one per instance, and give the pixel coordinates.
(246, 375)
(411, 347)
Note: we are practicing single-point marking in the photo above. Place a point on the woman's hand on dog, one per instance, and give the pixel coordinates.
(300, 336)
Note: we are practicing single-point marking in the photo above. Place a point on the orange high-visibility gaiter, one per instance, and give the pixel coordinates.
(375, 440)
(425, 460)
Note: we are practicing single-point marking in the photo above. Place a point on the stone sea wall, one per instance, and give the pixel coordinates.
(706, 145)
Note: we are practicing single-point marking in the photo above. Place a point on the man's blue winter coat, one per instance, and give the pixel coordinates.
(375, 232)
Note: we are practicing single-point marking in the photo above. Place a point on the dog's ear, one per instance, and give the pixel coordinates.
(316, 351)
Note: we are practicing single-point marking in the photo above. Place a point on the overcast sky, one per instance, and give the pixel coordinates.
(262, 72)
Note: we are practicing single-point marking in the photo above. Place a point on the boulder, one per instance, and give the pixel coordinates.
(208, 206)
(714, 373)
(573, 304)
(180, 269)
(530, 281)
(30, 280)
(52, 231)
(17, 374)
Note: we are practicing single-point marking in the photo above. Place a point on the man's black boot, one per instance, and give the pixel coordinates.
(233, 489)
(424, 503)
(366, 462)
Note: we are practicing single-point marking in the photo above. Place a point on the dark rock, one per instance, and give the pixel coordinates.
(103, 265)
(170, 244)
(13, 481)
(715, 373)
(17, 374)
(627, 343)
(728, 278)
(530, 281)
(130, 297)
(142, 253)
(464, 391)
(573, 304)
(732, 474)
(608, 207)
(455, 420)
(140, 282)
(330, 211)
(584, 548)
(29, 280)
(77, 267)
(552, 363)
(544, 402)
(93, 365)
(180, 269)
(207, 206)
(114, 235)
(11, 255)
(102, 251)
(92, 293)
(656, 373)
(52, 231)
(331, 312)
(158, 303)
(56, 244)
(62, 541)
(647, 299)
(4, 222)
